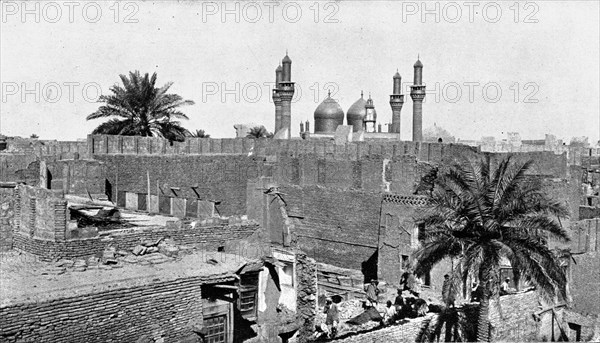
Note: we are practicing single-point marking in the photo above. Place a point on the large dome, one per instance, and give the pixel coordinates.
(356, 113)
(328, 115)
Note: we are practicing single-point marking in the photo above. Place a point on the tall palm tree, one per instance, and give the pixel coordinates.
(480, 216)
(198, 134)
(259, 132)
(141, 109)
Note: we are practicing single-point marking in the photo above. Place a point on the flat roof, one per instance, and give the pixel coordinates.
(22, 281)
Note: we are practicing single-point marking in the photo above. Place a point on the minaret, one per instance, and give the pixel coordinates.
(370, 117)
(417, 93)
(396, 101)
(286, 93)
(277, 98)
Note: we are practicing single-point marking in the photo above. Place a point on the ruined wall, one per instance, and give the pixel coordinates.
(210, 237)
(19, 168)
(219, 179)
(41, 213)
(161, 310)
(76, 176)
(7, 212)
(335, 226)
(306, 298)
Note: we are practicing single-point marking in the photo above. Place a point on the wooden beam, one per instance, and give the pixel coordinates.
(228, 287)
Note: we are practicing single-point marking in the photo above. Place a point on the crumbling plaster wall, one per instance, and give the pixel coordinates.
(335, 226)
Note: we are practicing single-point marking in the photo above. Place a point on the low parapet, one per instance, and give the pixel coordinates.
(132, 145)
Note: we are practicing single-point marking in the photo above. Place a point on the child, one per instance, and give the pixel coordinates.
(390, 313)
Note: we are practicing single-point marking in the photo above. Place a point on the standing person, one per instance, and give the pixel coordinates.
(332, 319)
(372, 292)
(416, 288)
(505, 287)
(399, 301)
(447, 294)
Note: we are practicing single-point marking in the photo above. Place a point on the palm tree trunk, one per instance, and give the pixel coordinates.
(483, 323)
(489, 277)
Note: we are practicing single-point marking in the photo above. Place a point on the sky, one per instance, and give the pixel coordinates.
(490, 67)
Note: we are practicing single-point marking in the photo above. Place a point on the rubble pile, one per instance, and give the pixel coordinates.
(350, 308)
(147, 253)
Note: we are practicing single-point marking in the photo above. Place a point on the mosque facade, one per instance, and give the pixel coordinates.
(361, 115)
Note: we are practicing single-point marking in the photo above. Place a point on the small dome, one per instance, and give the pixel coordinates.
(286, 59)
(397, 75)
(418, 64)
(357, 111)
(328, 116)
(279, 68)
(329, 109)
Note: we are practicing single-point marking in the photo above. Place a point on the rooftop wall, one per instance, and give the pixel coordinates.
(135, 145)
(210, 237)
(338, 227)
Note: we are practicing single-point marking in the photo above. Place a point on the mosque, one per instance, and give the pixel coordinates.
(361, 117)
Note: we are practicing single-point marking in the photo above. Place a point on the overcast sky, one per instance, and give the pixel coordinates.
(489, 67)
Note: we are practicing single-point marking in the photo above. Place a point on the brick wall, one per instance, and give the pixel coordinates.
(432, 152)
(210, 237)
(335, 226)
(220, 179)
(41, 213)
(159, 310)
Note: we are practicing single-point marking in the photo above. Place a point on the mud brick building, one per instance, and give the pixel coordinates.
(294, 218)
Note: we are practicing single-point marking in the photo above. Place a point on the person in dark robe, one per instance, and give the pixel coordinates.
(372, 293)
(399, 301)
(447, 292)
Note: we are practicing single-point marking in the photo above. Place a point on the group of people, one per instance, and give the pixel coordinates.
(409, 307)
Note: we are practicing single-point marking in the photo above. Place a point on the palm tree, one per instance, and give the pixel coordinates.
(198, 134)
(259, 132)
(480, 216)
(141, 109)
